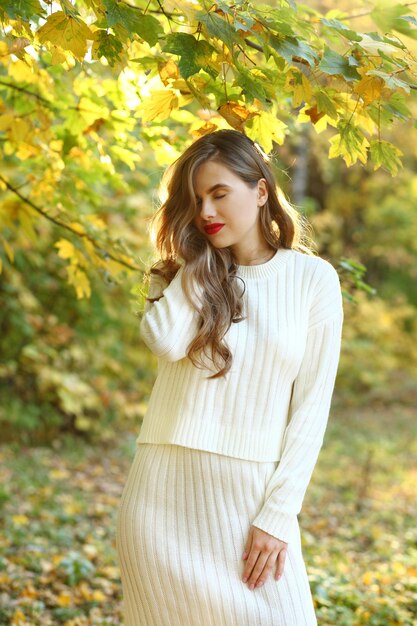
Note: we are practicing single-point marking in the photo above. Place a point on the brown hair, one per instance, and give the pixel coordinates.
(214, 269)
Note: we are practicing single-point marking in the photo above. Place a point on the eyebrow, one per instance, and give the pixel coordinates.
(214, 187)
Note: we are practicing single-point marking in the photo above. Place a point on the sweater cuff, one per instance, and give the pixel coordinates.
(279, 525)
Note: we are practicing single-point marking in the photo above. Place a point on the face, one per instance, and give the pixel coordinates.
(224, 198)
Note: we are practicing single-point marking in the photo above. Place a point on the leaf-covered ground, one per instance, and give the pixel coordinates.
(57, 553)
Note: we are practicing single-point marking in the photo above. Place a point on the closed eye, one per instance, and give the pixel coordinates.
(216, 198)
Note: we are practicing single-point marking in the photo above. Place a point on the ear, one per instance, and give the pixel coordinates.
(262, 191)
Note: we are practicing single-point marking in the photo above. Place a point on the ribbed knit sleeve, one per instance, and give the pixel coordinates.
(169, 324)
(308, 411)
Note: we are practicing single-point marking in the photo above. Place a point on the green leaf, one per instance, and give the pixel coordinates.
(251, 85)
(391, 81)
(351, 264)
(108, 46)
(342, 29)
(384, 153)
(325, 104)
(334, 63)
(146, 26)
(192, 53)
(242, 20)
(388, 17)
(218, 27)
(396, 104)
(68, 8)
(20, 9)
(386, 43)
(352, 61)
(409, 18)
(392, 62)
(350, 143)
(291, 47)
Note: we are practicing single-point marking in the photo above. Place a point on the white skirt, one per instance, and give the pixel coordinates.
(181, 529)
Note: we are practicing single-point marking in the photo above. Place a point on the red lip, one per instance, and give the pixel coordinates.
(213, 228)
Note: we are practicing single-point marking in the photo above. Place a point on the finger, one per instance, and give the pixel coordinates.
(258, 568)
(248, 543)
(250, 563)
(267, 569)
(280, 563)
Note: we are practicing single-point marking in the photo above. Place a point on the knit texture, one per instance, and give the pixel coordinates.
(182, 525)
(274, 403)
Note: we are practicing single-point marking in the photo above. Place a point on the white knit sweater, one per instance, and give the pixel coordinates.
(274, 403)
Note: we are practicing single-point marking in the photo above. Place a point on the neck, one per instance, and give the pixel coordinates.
(260, 258)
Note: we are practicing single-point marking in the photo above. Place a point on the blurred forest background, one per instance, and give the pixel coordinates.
(97, 97)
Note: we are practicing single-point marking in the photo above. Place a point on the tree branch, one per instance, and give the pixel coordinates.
(251, 44)
(29, 93)
(57, 222)
(52, 106)
(353, 17)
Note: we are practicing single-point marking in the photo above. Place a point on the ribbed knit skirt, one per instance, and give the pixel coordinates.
(181, 529)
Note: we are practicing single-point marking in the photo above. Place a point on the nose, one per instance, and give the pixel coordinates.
(206, 209)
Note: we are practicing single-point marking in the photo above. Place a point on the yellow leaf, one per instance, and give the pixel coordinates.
(168, 70)
(265, 128)
(113, 267)
(94, 257)
(82, 423)
(158, 105)
(367, 578)
(29, 592)
(369, 88)
(79, 279)
(64, 599)
(21, 72)
(58, 474)
(6, 121)
(235, 114)
(350, 144)
(18, 618)
(72, 508)
(297, 83)
(319, 126)
(66, 31)
(96, 221)
(4, 52)
(26, 151)
(8, 249)
(66, 248)
(90, 111)
(20, 130)
(98, 596)
(26, 222)
(79, 228)
(56, 145)
(91, 595)
(20, 520)
(58, 56)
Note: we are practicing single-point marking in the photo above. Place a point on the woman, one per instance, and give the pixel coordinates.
(246, 323)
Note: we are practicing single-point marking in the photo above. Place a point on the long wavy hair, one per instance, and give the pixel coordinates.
(178, 241)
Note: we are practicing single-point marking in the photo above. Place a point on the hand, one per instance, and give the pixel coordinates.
(262, 550)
